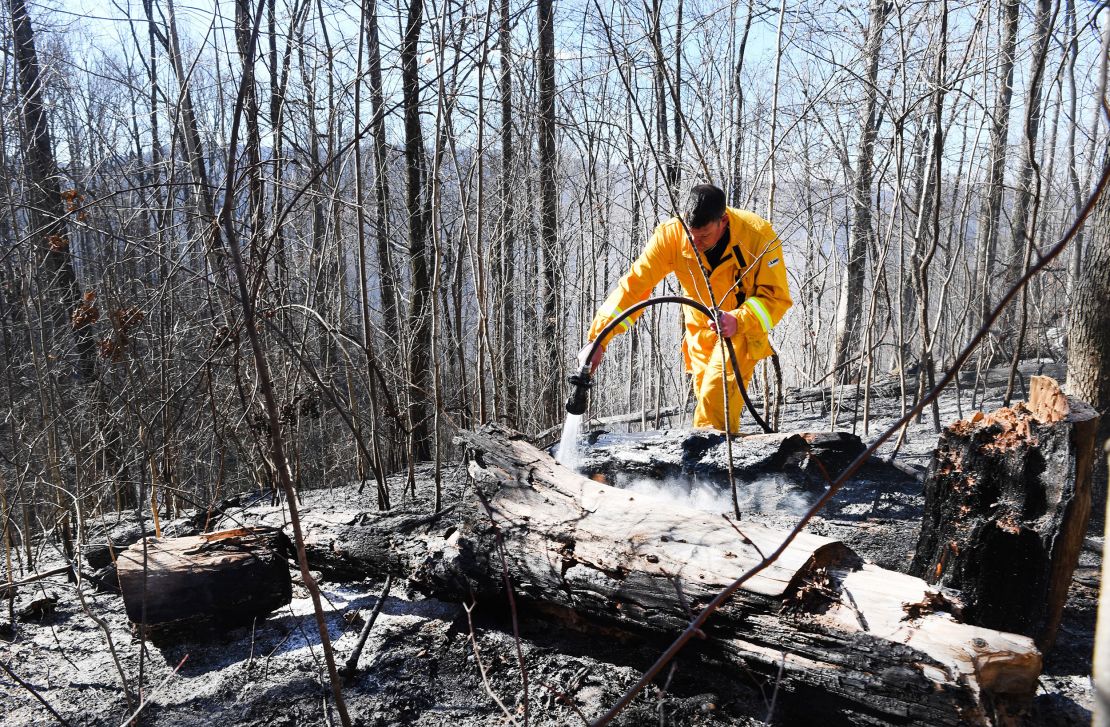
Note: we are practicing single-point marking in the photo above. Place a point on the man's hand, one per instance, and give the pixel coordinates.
(586, 352)
(729, 324)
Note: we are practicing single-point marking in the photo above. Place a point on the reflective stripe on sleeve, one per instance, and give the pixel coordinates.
(755, 305)
(612, 312)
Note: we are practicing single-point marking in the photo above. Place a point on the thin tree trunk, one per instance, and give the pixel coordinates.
(738, 123)
(48, 213)
(375, 463)
(1075, 263)
(772, 147)
(676, 91)
(250, 115)
(1029, 188)
(1025, 188)
(388, 278)
(549, 207)
(989, 218)
(506, 294)
(862, 235)
(417, 206)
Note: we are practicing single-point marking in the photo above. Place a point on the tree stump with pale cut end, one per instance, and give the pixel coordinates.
(1007, 498)
(203, 583)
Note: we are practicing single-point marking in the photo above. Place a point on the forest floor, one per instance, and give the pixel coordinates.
(419, 665)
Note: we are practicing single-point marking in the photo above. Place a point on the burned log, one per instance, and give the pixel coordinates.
(1007, 499)
(803, 460)
(848, 638)
(201, 583)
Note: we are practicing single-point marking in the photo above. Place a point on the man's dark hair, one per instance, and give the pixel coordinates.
(705, 204)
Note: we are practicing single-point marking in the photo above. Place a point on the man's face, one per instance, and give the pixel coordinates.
(706, 236)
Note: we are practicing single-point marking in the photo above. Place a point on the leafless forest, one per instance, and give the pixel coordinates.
(259, 245)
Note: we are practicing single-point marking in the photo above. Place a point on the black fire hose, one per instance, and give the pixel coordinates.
(576, 403)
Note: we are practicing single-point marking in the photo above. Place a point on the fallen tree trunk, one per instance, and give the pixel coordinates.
(198, 583)
(804, 460)
(7, 590)
(849, 638)
(1007, 499)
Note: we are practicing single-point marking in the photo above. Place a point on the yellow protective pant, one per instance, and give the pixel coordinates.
(710, 379)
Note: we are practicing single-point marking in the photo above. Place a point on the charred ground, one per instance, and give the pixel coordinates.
(420, 667)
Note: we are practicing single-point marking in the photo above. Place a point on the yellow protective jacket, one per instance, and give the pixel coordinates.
(758, 302)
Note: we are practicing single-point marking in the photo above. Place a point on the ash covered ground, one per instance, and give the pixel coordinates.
(420, 665)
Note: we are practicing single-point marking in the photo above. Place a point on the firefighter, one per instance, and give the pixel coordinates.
(742, 258)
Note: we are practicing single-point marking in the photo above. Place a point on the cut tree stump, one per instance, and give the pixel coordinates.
(851, 641)
(1007, 499)
(205, 582)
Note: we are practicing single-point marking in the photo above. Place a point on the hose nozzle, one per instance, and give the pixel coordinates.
(576, 402)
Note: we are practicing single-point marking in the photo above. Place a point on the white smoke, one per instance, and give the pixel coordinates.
(768, 494)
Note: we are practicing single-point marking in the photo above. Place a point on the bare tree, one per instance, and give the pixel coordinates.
(549, 209)
(506, 243)
(417, 206)
(60, 290)
(991, 211)
(862, 236)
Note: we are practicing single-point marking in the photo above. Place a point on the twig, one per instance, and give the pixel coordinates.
(512, 604)
(663, 694)
(9, 589)
(351, 665)
(482, 667)
(34, 693)
(146, 700)
(567, 700)
(250, 656)
(743, 538)
(775, 693)
(682, 599)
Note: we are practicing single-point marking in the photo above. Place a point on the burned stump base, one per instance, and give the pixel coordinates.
(203, 583)
(1007, 498)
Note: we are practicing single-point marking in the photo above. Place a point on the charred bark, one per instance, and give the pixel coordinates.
(1007, 498)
